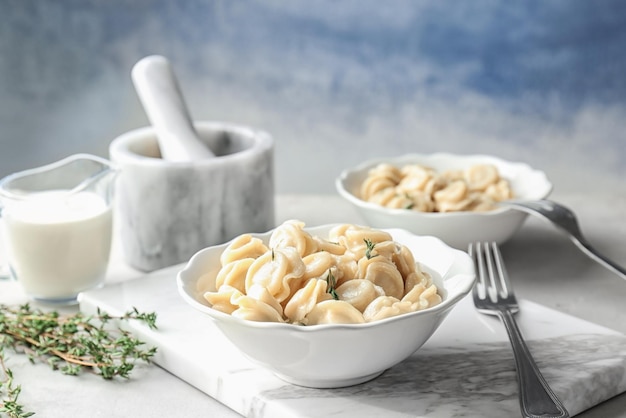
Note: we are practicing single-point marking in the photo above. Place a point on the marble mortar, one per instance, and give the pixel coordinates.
(167, 211)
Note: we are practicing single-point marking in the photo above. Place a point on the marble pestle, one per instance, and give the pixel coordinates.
(165, 106)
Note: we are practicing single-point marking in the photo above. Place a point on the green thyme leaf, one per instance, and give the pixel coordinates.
(69, 344)
(332, 283)
(369, 248)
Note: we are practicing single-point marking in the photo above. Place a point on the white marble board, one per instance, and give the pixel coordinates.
(465, 369)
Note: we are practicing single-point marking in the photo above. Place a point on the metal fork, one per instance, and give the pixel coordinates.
(564, 219)
(493, 295)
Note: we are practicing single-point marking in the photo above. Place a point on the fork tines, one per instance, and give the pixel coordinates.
(493, 281)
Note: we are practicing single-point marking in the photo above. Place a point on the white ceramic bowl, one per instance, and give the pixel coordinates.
(457, 229)
(329, 355)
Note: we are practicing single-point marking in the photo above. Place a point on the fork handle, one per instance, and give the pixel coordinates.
(596, 256)
(536, 397)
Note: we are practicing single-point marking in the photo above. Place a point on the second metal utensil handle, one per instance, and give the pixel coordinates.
(536, 397)
(596, 256)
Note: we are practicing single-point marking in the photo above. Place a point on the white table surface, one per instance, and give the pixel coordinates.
(545, 267)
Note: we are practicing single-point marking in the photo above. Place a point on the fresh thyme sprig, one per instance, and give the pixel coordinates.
(332, 283)
(10, 405)
(70, 344)
(369, 247)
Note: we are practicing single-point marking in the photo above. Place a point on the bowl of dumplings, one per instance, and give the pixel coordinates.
(451, 196)
(327, 306)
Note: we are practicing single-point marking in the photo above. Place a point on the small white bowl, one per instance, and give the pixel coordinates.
(457, 229)
(325, 356)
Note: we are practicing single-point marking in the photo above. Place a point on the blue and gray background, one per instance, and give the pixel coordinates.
(335, 82)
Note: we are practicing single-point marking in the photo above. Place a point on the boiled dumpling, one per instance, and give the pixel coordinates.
(416, 277)
(382, 272)
(292, 234)
(261, 293)
(385, 307)
(256, 310)
(422, 297)
(277, 270)
(380, 177)
(305, 299)
(334, 312)
(234, 274)
(345, 268)
(328, 246)
(317, 264)
(359, 293)
(404, 261)
(355, 238)
(243, 246)
(225, 299)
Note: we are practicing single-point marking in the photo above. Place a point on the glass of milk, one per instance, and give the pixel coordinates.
(58, 225)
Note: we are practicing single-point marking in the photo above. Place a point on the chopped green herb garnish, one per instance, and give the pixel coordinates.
(332, 283)
(369, 248)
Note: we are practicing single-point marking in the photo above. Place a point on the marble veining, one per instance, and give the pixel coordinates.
(464, 383)
(466, 369)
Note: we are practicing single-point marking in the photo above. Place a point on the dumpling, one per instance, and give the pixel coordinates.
(255, 310)
(380, 177)
(305, 299)
(243, 246)
(415, 177)
(334, 312)
(392, 199)
(317, 264)
(262, 294)
(481, 176)
(354, 238)
(292, 234)
(422, 297)
(422, 202)
(404, 260)
(385, 249)
(358, 293)
(382, 272)
(224, 300)
(345, 268)
(455, 193)
(279, 270)
(331, 247)
(418, 276)
(234, 274)
(499, 191)
(385, 307)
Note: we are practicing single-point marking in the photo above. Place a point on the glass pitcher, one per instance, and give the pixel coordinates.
(58, 226)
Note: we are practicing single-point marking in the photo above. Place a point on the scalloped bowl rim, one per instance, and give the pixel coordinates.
(460, 284)
(362, 168)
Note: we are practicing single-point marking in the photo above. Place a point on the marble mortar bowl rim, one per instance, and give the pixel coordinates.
(120, 147)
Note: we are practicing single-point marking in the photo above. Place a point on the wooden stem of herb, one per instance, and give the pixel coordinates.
(70, 344)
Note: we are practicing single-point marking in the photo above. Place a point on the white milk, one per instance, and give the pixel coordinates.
(58, 246)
